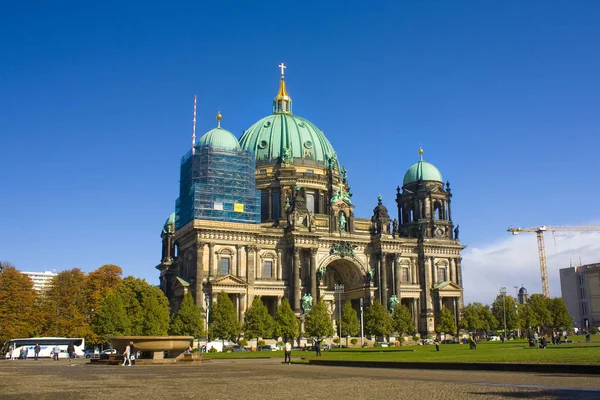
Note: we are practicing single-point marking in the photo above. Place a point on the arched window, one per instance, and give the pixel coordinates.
(437, 210)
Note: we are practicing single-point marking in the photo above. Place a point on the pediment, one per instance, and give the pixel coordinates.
(447, 286)
(179, 283)
(228, 280)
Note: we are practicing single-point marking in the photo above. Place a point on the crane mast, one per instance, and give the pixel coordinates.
(539, 231)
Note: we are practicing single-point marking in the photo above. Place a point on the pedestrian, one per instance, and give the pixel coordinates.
(543, 342)
(287, 353)
(25, 353)
(127, 355)
(71, 351)
(318, 347)
(55, 352)
(535, 338)
(436, 341)
(36, 351)
(21, 353)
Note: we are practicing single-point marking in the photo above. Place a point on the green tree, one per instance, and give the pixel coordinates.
(350, 322)
(17, 304)
(540, 314)
(445, 322)
(402, 321)
(100, 283)
(561, 319)
(145, 307)
(318, 321)
(377, 319)
(187, 321)
(512, 318)
(111, 318)
(477, 317)
(223, 320)
(258, 323)
(286, 322)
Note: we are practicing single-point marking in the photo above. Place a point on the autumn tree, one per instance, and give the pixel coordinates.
(258, 323)
(17, 304)
(286, 322)
(403, 321)
(445, 322)
(187, 321)
(350, 322)
(65, 306)
(223, 319)
(101, 282)
(377, 319)
(318, 321)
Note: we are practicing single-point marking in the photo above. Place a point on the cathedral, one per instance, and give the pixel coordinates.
(271, 215)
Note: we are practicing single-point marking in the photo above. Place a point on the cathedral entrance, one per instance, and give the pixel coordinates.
(343, 281)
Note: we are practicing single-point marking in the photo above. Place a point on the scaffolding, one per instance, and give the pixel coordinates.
(217, 185)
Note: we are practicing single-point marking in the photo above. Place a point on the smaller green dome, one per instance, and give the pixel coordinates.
(219, 138)
(169, 225)
(422, 170)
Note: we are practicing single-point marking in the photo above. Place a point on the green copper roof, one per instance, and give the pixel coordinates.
(219, 138)
(271, 136)
(422, 170)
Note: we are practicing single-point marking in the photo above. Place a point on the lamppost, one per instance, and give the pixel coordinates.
(362, 336)
(207, 302)
(503, 292)
(339, 289)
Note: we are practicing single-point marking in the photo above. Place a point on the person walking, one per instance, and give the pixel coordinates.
(36, 351)
(127, 355)
(287, 353)
(25, 353)
(55, 352)
(71, 351)
(436, 341)
(318, 347)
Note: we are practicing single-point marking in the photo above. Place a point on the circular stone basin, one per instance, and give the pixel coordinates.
(151, 343)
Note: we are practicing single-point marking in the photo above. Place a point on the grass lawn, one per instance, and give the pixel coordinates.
(514, 351)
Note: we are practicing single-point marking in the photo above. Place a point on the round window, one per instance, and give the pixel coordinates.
(308, 144)
(263, 144)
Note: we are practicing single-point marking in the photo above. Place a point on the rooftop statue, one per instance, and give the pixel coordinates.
(306, 302)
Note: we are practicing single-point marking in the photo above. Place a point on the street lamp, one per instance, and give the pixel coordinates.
(362, 336)
(503, 292)
(339, 289)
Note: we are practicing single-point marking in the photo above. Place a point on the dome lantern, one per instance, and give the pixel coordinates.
(282, 103)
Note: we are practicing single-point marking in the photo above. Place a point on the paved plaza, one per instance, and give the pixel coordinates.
(269, 379)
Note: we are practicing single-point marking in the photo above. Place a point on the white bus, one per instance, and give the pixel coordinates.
(12, 348)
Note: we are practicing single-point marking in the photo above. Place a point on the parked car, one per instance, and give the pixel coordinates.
(325, 346)
(382, 344)
(426, 341)
(109, 351)
(494, 338)
(237, 348)
(267, 347)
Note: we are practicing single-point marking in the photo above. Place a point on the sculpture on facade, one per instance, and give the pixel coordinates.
(456, 232)
(342, 222)
(287, 157)
(394, 227)
(392, 302)
(306, 303)
(370, 275)
(321, 273)
(342, 249)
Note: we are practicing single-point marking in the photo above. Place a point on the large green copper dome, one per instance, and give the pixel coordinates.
(272, 136)
(422, 170)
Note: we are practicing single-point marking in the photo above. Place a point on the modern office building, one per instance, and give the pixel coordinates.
(580, 287)
(41, 280)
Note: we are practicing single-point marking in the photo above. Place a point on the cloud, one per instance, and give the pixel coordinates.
(514, 262)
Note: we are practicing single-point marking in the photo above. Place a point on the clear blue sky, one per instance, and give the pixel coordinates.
(96, 105)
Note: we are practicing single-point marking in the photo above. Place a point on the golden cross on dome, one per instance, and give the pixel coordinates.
(282, 66)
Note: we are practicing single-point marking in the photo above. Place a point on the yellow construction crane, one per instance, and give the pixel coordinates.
(539, 230)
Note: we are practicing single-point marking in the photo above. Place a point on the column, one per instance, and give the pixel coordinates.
(415, 312)
(243, 298)
(238, 260)
(198, 278)
(251, 259)
(270, 191)
(313, 275)
(211, 260)
(413, 271)
(398, 276)
(452, 271)
(433, 271)
(296, 279)
(378, 275)
(383, 280)
(279, 265)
